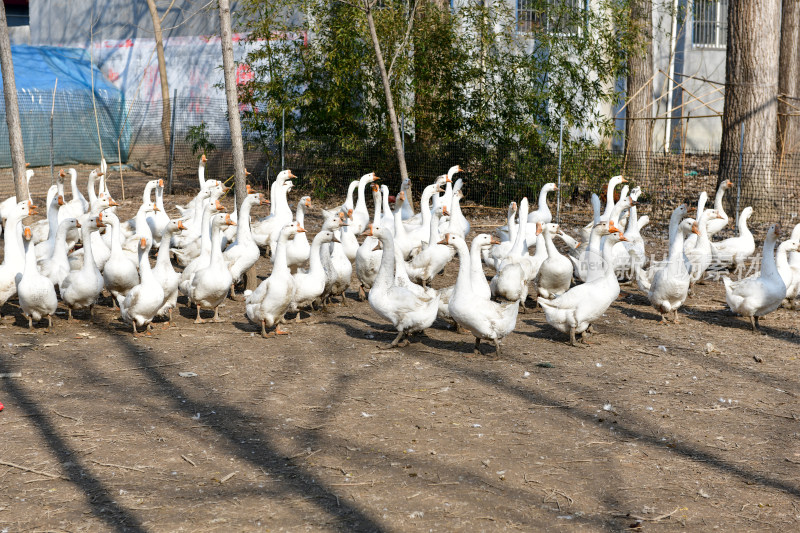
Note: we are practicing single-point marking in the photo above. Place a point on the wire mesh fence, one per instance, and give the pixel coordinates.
(494, 175)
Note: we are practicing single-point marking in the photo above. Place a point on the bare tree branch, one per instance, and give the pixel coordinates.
(405, 39)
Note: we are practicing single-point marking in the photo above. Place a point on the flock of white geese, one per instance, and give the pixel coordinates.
(82, 248)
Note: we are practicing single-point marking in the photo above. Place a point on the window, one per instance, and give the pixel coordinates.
(710, 26)
(554, 16)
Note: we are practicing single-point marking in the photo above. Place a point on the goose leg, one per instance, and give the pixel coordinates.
(297, 319)
(69, 314)
(497, 352)
(30, 322)
(233, 291)
(135, 333)
(754, 324)
(216, 317)
(362, 295)
(477, 349)
(522, 307)
(91, 311)
(400, 340)
(574, 341)
(199, 320)
(49, 322)
(675, 320)
(170, 323)
(264, 329)
(343, 301)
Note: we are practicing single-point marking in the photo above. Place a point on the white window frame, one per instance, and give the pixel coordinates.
(718, 25)
(537, 16)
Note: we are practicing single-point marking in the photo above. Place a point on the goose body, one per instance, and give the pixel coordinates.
(120, 274)
(13, 250)
(81, 288)
(757, 296)
(485, 319)
(210, 284)
(735, 251)
(575, 310)
(142, 302)
(243, 252)
(409, 309)
(268, 303)
(309, 285)
(56, 266)
(37, 296)
(555, 273)
(165, 273)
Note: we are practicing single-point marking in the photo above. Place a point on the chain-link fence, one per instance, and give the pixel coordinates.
(495, 175)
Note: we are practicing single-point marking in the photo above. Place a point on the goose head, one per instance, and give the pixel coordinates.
(325, 236)
(284, 175)
(455, 169)
(484, 240)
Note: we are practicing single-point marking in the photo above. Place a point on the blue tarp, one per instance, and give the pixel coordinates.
(74, 131)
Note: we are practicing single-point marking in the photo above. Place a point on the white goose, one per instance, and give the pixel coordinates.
(512, 277)
(268, 303)
(265, 230)
(667, 284)
(555, 273)
(209, 285)
(44, 248)
(756, 296)
(734, 251)
(120, 273)
(338, 269)
(458, 222)
(243, 252)
(433, 257)
(8, 205)
(409, 308)
(368, 256)
(165, 273)
(309, 285)
(793, 289)
(78, 205)
(360, 212)
(717, 225)
(574, 311)
(700, 256)
(691, 240)
(542, 214)
(495, 255)
(472, 310)
(204, 255)
(37, 297)
(159, 219)
(44, 229)
(402, 241)
(56, 266)
(188, 209)
(298, 248)
(408, 201)
(140, 305)
(81, 288)
(478, 279)
(13, 258)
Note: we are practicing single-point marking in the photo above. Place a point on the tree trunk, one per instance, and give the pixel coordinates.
(12, 111)
(789, 79)
(234, 121)
(162, 73)
(398, 141)
(751, 87)
(638, 132)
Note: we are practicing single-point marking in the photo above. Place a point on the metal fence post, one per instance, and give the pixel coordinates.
(739, 179)
(52, 155)
(283, 137)
(560, 150)
(171, 143)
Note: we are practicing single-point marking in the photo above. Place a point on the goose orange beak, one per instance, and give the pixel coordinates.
(180, 225)
(694, 229)
(27, 233)
(112, 203)
(263, 200)
(375, 177)
(494, 240)
(203, 158)
(155, 208)
(301, 229)
(219, 206)
(308, 202)
(100, 223)
(77, 224)
(61, 173)
(624, 180)
(142, 243)
(160, 183)
(538, 228)
(612, 228)
(60, 200)
(228, 221)
(291, 175)
(368, 231)
(622, 237)
(100, 174)
(445, 211)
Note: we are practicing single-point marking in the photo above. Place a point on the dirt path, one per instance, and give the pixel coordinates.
(212, 428)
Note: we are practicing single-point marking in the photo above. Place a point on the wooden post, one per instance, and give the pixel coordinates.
(12, 110)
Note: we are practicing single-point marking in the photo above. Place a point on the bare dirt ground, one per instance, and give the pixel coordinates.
(212, 428)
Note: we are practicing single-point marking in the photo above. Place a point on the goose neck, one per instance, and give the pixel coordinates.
(768, 266)
(162, 259)
(464, 279)
(88, 256)
(216, 246)
(91, 188)
(385, 276)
